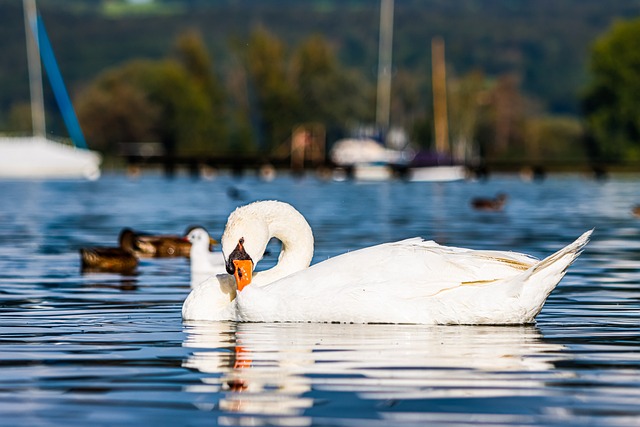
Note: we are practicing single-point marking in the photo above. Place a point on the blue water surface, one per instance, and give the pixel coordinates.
(107, 349)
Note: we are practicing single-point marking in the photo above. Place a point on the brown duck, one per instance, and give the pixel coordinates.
(489, 204)
(163, 246)
(111, 259)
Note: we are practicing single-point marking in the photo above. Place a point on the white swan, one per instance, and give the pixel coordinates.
(411, 281)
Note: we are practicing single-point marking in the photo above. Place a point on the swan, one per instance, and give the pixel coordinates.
(409, 281)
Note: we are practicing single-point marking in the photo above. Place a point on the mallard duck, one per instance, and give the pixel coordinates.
(410, 281)
(161, 246)
(111, 259)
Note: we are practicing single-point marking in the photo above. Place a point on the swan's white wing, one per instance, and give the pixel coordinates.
(414, 266)
(412, 270)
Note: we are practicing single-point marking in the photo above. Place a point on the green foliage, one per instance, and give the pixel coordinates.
(278, 78)
(148, 100)
(611, 103)
(194, 57)
(308, 85)
(554, 140)
(277, 103)
(328, 92)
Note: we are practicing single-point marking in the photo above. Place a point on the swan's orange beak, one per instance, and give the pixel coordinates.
(243, 273)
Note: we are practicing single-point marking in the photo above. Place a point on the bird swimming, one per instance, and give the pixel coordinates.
(111, 259)
(409, 281)
(490, 204)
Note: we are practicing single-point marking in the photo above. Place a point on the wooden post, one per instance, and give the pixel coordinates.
(439, 82)
(385, 48)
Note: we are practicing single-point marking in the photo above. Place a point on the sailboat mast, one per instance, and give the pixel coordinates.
(35, 68)
(385, 47)
(439, 83)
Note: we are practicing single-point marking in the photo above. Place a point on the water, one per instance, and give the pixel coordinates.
(106, 349)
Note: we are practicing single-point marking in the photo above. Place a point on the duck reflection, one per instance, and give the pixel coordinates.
(273, 369)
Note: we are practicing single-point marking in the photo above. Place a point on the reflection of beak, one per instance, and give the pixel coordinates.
(243, 272)
(243, 359)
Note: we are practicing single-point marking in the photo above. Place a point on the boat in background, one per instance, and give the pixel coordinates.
(366, 159)
(438, 164)
(36, 156)
(431, 166)
(382, 152)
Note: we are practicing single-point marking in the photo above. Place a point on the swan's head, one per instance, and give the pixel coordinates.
(248, 231)
(245, 239)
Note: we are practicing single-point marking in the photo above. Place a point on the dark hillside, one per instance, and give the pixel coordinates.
(545, 42)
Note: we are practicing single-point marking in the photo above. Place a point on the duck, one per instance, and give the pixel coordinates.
(414, 281)
(490, 204)
(636, 210)
(203, 261)
(162, 246)
(111, 259)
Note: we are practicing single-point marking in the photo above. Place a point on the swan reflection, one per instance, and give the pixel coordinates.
(274, 369)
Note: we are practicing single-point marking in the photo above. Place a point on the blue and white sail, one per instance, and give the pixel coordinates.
(37, 157)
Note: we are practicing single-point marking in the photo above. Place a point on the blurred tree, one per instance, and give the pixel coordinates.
(611, 105)
(191, 52)
(277, 103)
(329, 93)
(176, 101)
(112, 111)
(168, 104)
(468, 96)
(554, 138)
(407, 102)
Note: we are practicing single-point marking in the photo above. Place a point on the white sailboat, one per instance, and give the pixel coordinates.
(37, 157)
(372, 160)
(438, 165)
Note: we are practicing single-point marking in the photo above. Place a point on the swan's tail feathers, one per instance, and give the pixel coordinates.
(569, 254)
(544, 276)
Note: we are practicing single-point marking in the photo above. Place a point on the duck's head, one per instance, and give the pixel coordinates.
(127, 239)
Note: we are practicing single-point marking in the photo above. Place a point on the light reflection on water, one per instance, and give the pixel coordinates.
(108, 349)
(272, 369)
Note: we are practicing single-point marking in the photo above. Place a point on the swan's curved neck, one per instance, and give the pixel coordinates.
(259, 222)
(289, 226)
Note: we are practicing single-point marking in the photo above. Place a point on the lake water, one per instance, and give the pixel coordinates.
(104, 349)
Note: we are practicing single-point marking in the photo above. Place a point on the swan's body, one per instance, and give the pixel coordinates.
(411, 281)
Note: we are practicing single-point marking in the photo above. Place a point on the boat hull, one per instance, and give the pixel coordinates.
(40, 158)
